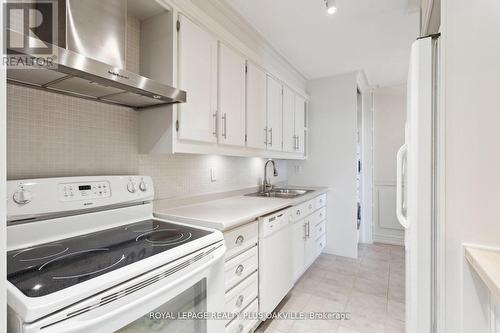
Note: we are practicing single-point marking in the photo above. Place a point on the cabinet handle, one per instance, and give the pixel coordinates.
(298, 213)
(240, 328)
(239, 240)
(298, 142)
(239, 301)
(310, 206)
(305, 231)
(265, 133)
(214, 117)
(239, 270)
(308, 230)
(271, 141)
(224, 126)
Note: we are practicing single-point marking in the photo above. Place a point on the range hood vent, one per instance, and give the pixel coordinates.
(84, 64)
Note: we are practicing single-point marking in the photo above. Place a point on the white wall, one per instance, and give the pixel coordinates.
(470, 42)
(332, 157)
(3, 156)
(389, 117)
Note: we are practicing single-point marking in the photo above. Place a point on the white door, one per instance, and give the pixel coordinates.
(231, 97)
(197, 64)
(298, 237)
(274, 114)
(300, 123)
(256, 110)
(289, 139)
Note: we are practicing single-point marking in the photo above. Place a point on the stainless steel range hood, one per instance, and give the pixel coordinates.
(90, 59)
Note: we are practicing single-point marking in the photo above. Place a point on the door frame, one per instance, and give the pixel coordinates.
(366, 228)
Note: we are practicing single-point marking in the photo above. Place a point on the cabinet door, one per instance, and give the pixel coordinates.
(274, 114)
(231, 97)
(300, 123)
(309, 243)
(298, 237)
(198, 76)
(256, 110)
(289, 138)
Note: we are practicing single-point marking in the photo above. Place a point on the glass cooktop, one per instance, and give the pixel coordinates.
(47, 268)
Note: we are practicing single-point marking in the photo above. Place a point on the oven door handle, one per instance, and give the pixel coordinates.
(98, 323)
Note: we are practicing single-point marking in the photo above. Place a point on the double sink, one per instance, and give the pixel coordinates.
(285, 193)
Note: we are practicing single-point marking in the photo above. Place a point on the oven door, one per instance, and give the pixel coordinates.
(163, 300)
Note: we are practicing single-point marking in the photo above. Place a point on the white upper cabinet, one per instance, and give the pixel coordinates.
(197, 72)
(231, 96)
(300, 123)
(256, 110)
(289, 138)
(274, 114)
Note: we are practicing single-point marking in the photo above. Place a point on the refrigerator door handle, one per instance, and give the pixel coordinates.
(399, 186)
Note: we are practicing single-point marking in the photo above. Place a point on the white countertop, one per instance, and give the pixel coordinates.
(230, 212)
(486, 262)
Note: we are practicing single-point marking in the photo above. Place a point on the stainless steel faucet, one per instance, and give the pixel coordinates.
(267, 183)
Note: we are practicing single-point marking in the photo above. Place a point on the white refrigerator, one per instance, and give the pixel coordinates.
(417, 185)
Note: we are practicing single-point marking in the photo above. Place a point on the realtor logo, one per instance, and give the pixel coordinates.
(30, 33)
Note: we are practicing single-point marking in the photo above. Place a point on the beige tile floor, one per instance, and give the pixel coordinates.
(371, 288)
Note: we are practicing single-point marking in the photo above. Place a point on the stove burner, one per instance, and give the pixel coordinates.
(139, 228)
(40, 252)
(163, 237)
(70, 256)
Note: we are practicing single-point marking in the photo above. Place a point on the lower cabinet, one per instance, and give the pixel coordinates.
(308, 233)
(241, 277)
(298, 239)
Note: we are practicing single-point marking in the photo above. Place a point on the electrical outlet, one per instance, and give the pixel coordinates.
(213, 178)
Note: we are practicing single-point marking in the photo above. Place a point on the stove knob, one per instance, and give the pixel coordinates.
(22, 197)
(131, 187)
(143, 186)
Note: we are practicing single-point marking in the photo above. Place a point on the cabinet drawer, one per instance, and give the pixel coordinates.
(243, 294)
(320, 245)
(319, 229)
(244, 324)
(309, 206)
(241, 266)
(299, 212)
(320, 215)
(320, 201)
(240, 239)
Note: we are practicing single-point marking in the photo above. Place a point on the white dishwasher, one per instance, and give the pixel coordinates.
(275, 259)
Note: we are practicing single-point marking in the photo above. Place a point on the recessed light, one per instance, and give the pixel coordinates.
(331, 6)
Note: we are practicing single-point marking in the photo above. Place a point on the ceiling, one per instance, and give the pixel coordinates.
(373, 35)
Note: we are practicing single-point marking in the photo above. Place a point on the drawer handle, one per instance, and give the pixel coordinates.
(240, 240)
(240, 328)
(320, 201)
(298, 213)
(239, 301)
(320, 229)
(310, 206)
(320, 215)
(239, 270)
(321, 244)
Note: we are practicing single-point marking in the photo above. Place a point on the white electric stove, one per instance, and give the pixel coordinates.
(85, 254)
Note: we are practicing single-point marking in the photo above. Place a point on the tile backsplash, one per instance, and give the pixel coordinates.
(51, 135)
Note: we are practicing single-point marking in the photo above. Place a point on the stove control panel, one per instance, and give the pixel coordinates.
(42, 197)
(84, 191)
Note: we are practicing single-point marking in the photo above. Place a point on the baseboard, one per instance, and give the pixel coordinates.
(388, 239)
